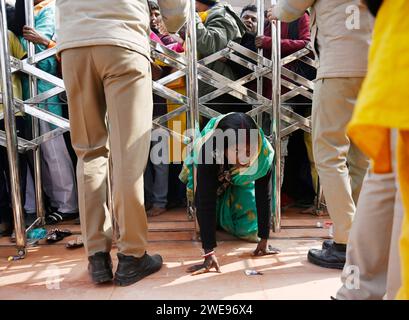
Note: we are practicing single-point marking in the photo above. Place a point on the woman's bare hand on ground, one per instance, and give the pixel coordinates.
(209, 263)
(264, 249)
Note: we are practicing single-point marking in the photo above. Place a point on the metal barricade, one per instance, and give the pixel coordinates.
(273, 69)
(14, 144)
(10, 65)
(188, 66)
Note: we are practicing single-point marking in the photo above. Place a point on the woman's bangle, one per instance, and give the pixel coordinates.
(206, 255)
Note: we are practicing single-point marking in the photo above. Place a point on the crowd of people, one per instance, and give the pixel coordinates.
(104, 59)
(57, 162)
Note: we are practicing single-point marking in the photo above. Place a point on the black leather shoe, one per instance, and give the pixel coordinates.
(332, 257)
(327, 244)
(131, 269)
(100, 267)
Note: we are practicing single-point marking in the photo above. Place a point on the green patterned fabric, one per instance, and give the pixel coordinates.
(236, 206)
(44, 23)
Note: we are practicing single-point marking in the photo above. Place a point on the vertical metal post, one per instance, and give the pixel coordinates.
(29, 13)
(11, 134)
(276, 105)
(192, 82)
(193, 86)
(260, 32)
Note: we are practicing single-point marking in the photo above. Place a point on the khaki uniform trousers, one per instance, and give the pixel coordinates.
(373, 245)
(113, 81)
(340, 164)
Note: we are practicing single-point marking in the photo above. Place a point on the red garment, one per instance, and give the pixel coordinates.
(174, 46)
(153, 36)
(288, 46)
(166, 39)
(177, 47)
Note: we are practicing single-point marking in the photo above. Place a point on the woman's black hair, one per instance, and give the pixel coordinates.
(374, 6)
(238, 121)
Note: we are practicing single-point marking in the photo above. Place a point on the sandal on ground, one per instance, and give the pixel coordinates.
(56, 235)
(73, 244)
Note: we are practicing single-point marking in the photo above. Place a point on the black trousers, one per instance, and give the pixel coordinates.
(297, 171)
(206, 198)
(5, 182)
(176, 189)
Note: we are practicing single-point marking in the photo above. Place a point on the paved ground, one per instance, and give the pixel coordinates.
(54, 272)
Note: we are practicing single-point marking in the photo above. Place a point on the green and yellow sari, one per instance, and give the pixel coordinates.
(236, 205)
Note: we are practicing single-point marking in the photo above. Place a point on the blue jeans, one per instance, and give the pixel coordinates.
(157, 174)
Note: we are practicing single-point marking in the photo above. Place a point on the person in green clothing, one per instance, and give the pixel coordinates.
(42, 36)
(58, 170)
(234, 167)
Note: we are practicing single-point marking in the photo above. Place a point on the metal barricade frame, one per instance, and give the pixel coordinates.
(188, 66)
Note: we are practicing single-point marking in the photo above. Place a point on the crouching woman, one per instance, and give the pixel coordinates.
(233, 162)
